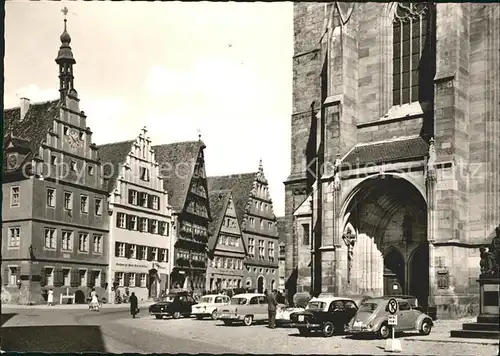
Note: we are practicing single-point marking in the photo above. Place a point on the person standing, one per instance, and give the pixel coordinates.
(94, 302)
(134, 305)
(50, 298)
(271, 308)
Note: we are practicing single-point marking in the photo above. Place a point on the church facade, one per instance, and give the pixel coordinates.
(394, 180)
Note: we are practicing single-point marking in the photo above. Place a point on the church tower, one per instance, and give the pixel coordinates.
(65, 61)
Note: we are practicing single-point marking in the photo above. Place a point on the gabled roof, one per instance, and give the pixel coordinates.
(36, 124)
(386, 152)
(240, 185)
(177, 162)
(112, 157)
(219, 200)
(281, 228)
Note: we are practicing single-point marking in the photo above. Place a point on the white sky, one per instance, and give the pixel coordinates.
(222, 68)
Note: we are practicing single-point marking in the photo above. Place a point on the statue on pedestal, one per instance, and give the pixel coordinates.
(349, 238)
(490, 257)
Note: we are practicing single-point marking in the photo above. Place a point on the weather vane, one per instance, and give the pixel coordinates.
(65, 11)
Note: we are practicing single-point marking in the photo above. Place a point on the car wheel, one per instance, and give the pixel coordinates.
(176, 315)
(158, 316)
(214, 315)
(248, 320)
(426, 327)
(384, 332)
(199, 317)
(304, 332)
(227, 322)
(328, 329)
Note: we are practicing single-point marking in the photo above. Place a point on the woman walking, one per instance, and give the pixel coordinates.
(134, 309)
(94, 302)
(50, 298)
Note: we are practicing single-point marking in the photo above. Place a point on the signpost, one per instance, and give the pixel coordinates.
(393, 345)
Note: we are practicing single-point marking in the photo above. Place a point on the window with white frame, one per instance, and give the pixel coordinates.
(73, 166)
(67, 240)
(163, 255)
(145, 174)
(84, 204)
(261, 249)
(261, 223)
(133, 222)
(13, 272)
(83, 242)
(252, 222)
(51, 197)
(230, 263)
(144, 200)
(14, 197)
(251, 246)
(83, 277)
(14, 236)
(154, 226)
(154, 202)
(49, 275)
(90, 170)
(97, 243)
(98, 206)
(121, 249)
(225, 262)
(144, 224)
(120, 279)
(50, 238)
(154, 253)
(269, 226)
(237, 241)
(270, 250)
(133, 251)
(66, 276)
(163, 228)
(120, 220)
(143, 279)
(133, 197)
(97, 278)
(144, 252)
(131, 279)
(217, 262)
(68, 201)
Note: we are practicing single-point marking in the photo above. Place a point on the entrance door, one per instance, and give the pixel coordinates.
(260, 284)
(394, 273)
(419, 274)
(153, 283)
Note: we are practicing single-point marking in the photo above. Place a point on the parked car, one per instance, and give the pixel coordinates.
(372, 317)
(283, 314)
(329, 315)
(244, 308)
(431, 311)
(208, 304)
(175, 305)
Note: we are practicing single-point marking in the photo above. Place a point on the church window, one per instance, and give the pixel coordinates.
(411, 33)
(305, 234)
(443, 280)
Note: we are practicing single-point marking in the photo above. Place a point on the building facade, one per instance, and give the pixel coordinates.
(182, 166)
(395, 149)
(140, 237)
(254, 209)
(281, 253)
(226, 249)
(55, 218)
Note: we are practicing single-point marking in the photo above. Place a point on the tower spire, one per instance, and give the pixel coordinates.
(65, 61)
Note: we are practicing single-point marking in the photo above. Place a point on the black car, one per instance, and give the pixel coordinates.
(327, 315)
(175, 305)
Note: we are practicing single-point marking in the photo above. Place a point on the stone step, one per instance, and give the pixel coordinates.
(481, 326)
(492, 319)
(476, 334)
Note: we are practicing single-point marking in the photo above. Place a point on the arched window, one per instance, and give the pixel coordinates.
(412, 36)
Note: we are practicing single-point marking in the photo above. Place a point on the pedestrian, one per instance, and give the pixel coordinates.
(134, 307)
(50, 298)
(94, 302)
(271, 309)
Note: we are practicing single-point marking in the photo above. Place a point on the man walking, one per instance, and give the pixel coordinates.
(271, 308)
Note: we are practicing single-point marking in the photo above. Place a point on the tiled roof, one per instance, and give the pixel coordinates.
(240, 185)
(34, 127)
(113, 156)
(177, 162)
(218, 205)
(281, 228)
(385, 152)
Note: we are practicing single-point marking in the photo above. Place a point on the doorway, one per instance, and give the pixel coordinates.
(153, 280)
(419, 274)
(394, 275)
(260, 284)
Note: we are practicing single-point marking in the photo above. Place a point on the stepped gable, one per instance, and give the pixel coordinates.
(240, 185)
(113, 156)
(177, 162)
(219, 200)
(32, 130)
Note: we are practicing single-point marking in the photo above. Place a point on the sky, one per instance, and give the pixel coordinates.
(223, 70)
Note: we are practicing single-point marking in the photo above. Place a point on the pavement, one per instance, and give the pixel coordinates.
(114, 330)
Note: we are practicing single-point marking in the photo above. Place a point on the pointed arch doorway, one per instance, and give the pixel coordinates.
(394, 272)
(260, 284)
(419, 276)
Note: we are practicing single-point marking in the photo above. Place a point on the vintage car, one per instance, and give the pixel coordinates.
(175, 305)
(372, 317)
(329, 315)
(208, 304)
(283, 314)
(244, 308)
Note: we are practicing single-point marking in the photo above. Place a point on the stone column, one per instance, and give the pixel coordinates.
(431, 179)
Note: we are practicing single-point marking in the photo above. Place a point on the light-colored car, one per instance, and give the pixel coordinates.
(372, 317)
(283, 314)
(246, 308)
(208, 304)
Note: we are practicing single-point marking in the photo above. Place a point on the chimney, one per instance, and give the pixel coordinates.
(25, 105)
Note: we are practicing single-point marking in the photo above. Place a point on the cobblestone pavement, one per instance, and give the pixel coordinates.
(259, 339)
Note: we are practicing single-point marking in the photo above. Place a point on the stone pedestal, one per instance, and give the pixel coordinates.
(488, 321)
